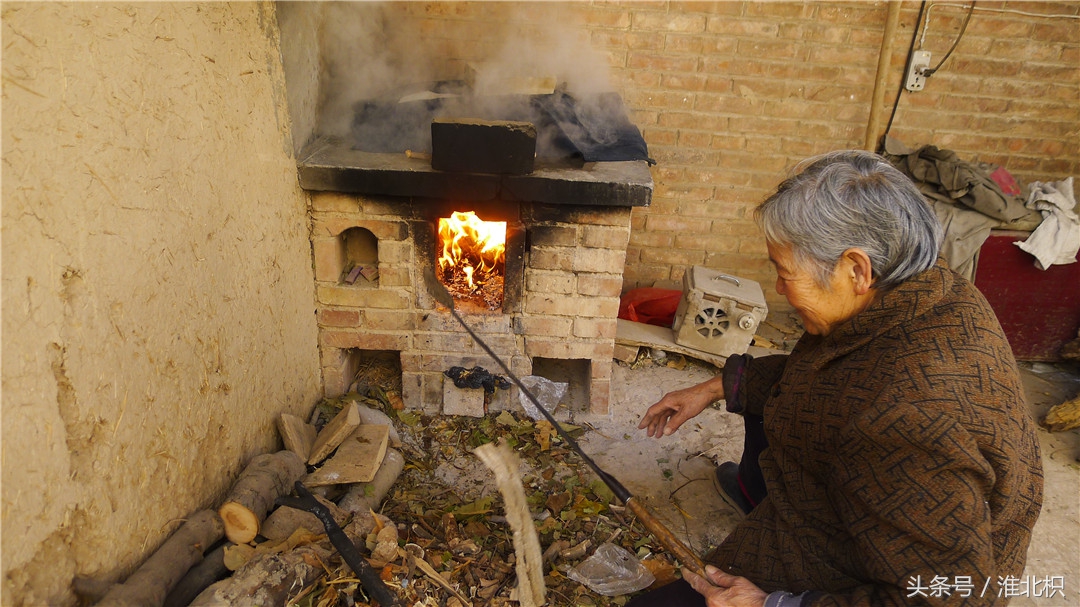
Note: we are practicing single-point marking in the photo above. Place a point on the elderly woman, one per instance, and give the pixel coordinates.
(890, 458)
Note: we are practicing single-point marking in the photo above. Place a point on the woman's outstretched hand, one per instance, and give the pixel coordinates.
(725, 590)
(677, 407)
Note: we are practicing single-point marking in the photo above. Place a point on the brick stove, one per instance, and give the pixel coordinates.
(566, 238)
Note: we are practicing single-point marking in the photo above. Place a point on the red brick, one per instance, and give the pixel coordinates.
(695, 120)
(645, 275)
(672, 223)
(552, 326)
(462, 401)
(706, 242)
(676, 257)
(329, 259)
(592, 328)
(660, 62)
(780, 10)
(1056, 30)
(389, 320)
(364, 340)
(760, 50)
(565, 350)
(606, 237)
(684, 82)
(670, 22)
(722, 26)
(333, 201)
(1002, 26)
(551, 258)
(560, 236)
(726, 8)
(682, 44)
(665, 100)
(599, 285)
(550, 282)
(616, 58)
(1052, 73)
(599, 260)
(619, 18)
(849, 13)
(572, 306)
(659, 137)
(339, 318)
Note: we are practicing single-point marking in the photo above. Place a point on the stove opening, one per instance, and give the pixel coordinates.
(472, 260)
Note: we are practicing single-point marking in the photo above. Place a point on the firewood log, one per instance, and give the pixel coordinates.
(211, 569)
(267, 579)
(362, 497)
(153, 580)
(298, 436)
(334, 433)
(1063, 416)
(266, 478)
(284, 521)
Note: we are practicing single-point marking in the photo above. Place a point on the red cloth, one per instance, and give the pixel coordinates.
(650, 305)
(1005, 181)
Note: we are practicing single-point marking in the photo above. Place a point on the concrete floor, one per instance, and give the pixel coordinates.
(672, 474)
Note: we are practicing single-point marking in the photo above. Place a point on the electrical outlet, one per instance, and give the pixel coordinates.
(920, 62)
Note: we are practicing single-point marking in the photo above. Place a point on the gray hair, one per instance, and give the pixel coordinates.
(852, 199)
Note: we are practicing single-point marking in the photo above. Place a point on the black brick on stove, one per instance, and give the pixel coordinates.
(501, 147)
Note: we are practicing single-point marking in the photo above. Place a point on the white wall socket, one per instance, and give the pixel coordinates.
(920, 62)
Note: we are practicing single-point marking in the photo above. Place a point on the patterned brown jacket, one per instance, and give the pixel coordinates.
(903, 467)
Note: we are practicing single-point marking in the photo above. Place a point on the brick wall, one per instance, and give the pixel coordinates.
(731, 94)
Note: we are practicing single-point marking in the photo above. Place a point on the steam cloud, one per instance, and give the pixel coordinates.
(388, 51)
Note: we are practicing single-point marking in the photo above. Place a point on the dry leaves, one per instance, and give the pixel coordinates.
(453, 545)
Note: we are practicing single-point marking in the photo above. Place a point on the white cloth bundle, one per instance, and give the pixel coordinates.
(1057, 239)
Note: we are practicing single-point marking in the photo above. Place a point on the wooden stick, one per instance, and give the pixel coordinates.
(666, 538)
(266, 478)
(530, 562)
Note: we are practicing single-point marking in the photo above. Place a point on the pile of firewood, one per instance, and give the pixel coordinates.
(253, 551)
(424, 542)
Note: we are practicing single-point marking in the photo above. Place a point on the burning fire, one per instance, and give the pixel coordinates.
(473, 255)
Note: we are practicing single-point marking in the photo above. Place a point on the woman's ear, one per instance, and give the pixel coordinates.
(862, 271)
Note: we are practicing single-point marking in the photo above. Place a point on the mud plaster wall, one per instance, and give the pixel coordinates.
(157, 280)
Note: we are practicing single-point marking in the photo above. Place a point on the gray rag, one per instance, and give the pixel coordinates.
(1057, 238)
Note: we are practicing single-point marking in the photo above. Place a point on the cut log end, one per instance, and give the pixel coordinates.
(241, 524)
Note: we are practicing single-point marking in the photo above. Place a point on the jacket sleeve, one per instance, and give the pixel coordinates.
(749, 381)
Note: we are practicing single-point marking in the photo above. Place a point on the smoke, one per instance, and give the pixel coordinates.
(459, 58)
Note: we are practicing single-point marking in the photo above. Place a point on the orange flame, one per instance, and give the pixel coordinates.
(470, 245)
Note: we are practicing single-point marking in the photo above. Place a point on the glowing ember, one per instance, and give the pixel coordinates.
(473, 258)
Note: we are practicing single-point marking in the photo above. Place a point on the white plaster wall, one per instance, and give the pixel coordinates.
(157, 281)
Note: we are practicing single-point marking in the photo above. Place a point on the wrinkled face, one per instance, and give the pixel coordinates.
(820, 309)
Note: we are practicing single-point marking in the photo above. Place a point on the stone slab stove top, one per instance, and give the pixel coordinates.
(330, 164)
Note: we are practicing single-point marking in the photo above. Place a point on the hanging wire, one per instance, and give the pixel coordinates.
(900, 93)
(1006, 10)
(963, 27)
(921, 27)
